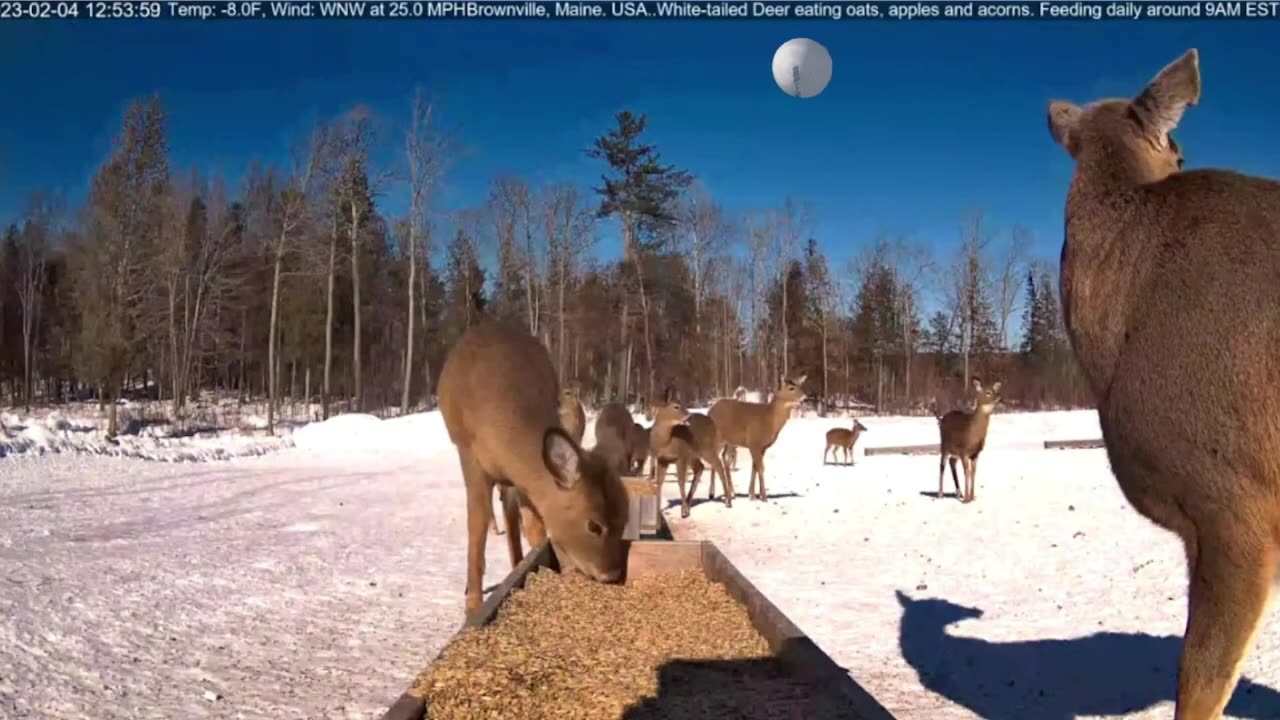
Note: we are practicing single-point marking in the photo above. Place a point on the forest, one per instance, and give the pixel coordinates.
(298, 285)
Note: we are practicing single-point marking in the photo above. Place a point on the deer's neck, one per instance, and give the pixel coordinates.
(1101, 265)
(778, 414)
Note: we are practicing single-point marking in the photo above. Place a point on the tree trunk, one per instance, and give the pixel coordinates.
(408, 343)
(328, 323)
(271, 335)
(357, 368)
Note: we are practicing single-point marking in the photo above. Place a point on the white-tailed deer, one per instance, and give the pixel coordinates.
(1171, 294)
(756, 426)
(613, 432)
(963, 435)
(673, 439)
(572, 417)
(843, 439)
(638, 448)
(498, 397)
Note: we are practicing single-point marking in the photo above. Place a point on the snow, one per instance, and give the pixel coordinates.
(299, 585)
(316, 580)
(1051, 554)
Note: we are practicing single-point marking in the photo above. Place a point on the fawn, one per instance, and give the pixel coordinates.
(843, 439)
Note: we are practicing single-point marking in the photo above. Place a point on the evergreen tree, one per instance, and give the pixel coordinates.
(464, 280)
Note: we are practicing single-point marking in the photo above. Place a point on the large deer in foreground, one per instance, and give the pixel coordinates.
(756, 426)
(1171, 294)
(499, 398)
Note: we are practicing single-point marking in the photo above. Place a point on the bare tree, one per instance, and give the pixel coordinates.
(912, 264)
(1009, 283)
(33, 250)
(569, 230)
(358, 184)
(426, 157)
(792, 224)
(293, 205)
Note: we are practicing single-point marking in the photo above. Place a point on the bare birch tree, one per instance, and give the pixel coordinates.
(426, 158)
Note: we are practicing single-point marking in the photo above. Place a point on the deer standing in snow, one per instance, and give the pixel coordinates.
(756, 426)
(1171, 294)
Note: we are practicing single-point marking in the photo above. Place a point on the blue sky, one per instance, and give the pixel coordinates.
(921, 121)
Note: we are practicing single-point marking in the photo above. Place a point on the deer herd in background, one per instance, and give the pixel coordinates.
(1171, 296)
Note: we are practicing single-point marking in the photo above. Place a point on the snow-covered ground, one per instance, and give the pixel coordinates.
(213, 428)
(315, 581)
(1047, 598)
(311, 583)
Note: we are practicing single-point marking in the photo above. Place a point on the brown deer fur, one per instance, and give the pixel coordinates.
(756, 426)
(572, 417)
(963, 435)
(1171, 294)
(689, 441)
(843, 439)
(613, 429)
(638, 448)
(498, 397)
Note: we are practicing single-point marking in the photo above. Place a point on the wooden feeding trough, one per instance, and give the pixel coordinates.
(902, 450)
(1074, 444)
(644, 508)
(831, 692)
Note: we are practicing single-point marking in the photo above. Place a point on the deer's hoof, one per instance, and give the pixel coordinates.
(473, 603)
(684, 512)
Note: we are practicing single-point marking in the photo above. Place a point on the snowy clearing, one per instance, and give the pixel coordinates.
(316, 581)
(1082, 600)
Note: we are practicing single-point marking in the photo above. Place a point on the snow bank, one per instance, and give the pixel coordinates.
(410, 435)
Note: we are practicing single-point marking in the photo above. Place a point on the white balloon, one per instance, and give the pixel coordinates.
(802, 67)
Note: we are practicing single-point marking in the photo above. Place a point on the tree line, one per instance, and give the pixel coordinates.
(299, 285)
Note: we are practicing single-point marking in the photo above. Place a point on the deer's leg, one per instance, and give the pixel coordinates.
(971, 478)
(1232, 566)
(511, 515)
(479, 515)
(693, 486)
(682, 467)
(659, 476)
(493, 520)
(824, 454)
(942, 472)
(535, 530)
(727, 481)
(757, 459)
(711, 464)
(955, 479)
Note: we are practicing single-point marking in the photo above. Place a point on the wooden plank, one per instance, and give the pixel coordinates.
(902, 450)
(787, 641)
(1074, 444)
(662, 557)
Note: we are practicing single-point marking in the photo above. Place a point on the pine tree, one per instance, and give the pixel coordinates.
(464, 279)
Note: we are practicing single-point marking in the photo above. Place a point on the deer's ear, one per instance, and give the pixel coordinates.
(995, 387)
(976, 383)
(562, 458)
(1162, 102)
(800, 380)
(1063, 117)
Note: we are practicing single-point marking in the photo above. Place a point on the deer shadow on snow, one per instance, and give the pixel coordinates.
(1101, 674)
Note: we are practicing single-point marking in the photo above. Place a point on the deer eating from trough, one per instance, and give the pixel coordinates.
(963, 435)
(1170, 288)
(499, 397)
(755, 426)
(843, 439)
